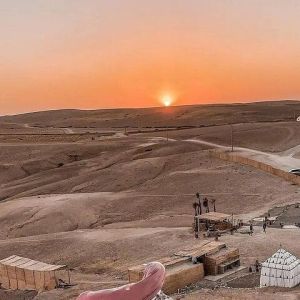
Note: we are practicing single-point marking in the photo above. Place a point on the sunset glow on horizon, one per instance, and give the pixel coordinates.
(91, 54)
(167, 100)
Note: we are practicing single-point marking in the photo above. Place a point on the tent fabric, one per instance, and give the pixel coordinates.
(146, 289)
(281, 269)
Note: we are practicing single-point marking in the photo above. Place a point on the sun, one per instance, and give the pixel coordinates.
(167, 100)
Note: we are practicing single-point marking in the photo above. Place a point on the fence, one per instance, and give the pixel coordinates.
(233, 157)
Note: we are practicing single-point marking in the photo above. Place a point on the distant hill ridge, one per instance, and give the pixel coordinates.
(186, 115)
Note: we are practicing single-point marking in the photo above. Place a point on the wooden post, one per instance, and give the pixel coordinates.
(56, 282)
(69, 276)
(7, 277)
(231, 129)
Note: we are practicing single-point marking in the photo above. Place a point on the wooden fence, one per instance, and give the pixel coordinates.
(234, 157)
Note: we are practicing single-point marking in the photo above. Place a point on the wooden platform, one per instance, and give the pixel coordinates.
(215, 278)
(217, 262)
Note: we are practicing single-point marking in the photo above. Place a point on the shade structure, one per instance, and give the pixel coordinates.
(214, 217)
(282, 269)
(22, 273)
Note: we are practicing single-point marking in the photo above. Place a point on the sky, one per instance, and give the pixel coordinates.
(91, 54)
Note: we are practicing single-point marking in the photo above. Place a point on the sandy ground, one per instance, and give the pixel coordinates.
(75, 190)
(230, 294)
(110, 268)
(134, 188)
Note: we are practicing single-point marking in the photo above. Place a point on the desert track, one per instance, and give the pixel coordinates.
(283, 160)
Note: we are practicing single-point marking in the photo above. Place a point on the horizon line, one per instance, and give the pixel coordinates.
(152, 107)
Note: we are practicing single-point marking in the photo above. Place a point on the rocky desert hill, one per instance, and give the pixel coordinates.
(77, 188)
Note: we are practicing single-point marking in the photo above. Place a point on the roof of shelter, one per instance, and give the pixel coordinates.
(204, 248)
(213, 216)
(29, 264)
(282, 260)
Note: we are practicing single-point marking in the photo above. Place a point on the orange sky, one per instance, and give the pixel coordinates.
(128, 53)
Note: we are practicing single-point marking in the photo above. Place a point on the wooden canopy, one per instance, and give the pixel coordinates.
(18, 272)
(29, 264)
(204, 247)
(213, 217)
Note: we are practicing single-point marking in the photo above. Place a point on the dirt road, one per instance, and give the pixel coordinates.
(283, 160)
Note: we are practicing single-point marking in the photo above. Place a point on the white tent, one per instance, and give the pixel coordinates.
(281, 269)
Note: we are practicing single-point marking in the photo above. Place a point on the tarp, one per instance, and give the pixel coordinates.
(146, 289)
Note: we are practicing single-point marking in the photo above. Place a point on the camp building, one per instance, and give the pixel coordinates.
(282, 269)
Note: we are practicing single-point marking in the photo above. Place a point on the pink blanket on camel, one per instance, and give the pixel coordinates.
(146, 289)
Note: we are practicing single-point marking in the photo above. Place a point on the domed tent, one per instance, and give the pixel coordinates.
(281, 269)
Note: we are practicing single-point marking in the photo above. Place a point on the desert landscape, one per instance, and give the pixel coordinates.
(104, 190)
